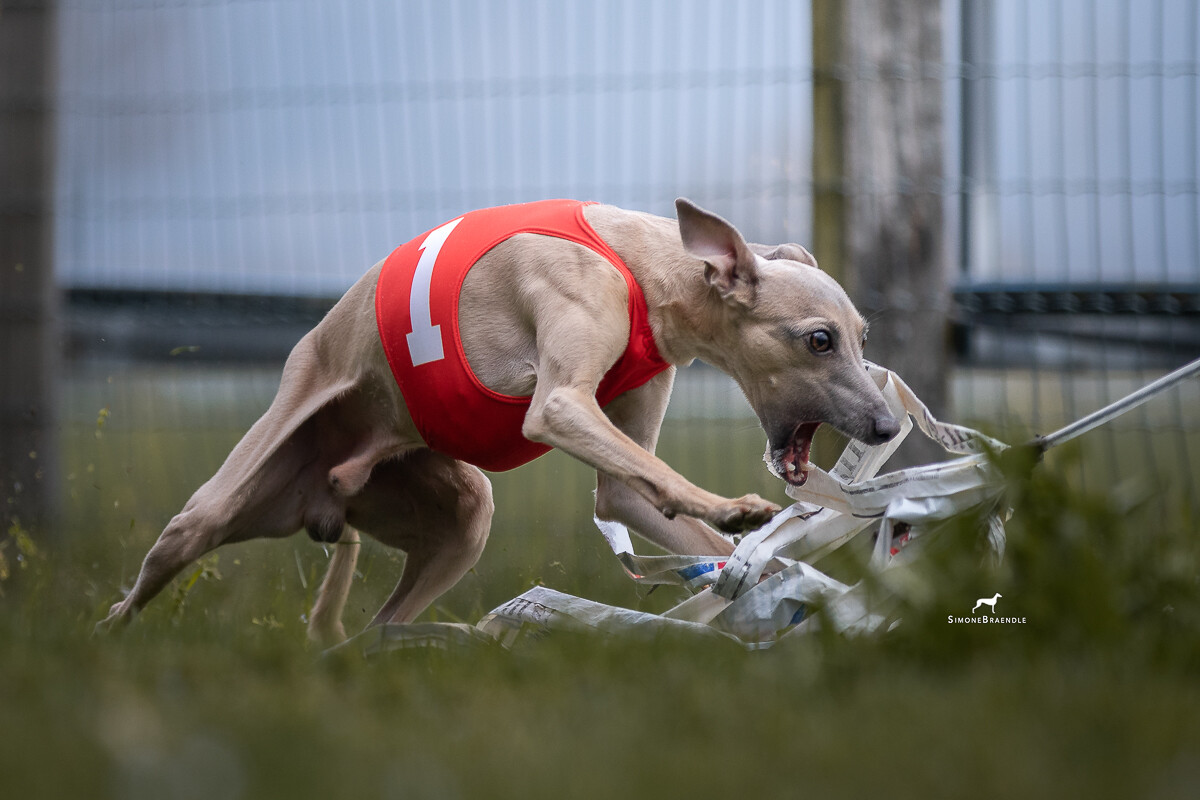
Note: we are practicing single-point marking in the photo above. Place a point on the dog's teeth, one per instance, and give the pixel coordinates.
(791, 467)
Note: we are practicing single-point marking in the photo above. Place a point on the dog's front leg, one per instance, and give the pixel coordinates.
(568, 417)
(639, 413)
(681, 534)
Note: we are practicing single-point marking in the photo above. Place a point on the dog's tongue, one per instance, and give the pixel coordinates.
(795, 458)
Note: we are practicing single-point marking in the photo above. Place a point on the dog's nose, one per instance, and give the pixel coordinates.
(886, 427)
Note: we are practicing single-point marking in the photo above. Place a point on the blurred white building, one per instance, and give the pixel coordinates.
(271, 146)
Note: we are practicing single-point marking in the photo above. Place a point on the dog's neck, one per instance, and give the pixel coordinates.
(687, 317)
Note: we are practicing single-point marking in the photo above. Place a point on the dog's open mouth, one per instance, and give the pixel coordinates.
(791, 463)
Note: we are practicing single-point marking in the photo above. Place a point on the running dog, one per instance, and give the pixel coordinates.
(500, 335)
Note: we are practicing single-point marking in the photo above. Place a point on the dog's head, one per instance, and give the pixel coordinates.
(791, 339)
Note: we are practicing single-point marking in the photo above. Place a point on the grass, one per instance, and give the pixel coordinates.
(212, 692)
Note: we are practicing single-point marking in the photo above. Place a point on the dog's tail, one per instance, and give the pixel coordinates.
(325, 621)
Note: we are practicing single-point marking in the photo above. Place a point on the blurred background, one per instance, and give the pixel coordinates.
(1007, 189)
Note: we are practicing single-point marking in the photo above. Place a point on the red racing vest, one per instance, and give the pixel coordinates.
(416, 309)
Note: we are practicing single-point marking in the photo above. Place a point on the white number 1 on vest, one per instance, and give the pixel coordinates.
(425, 341)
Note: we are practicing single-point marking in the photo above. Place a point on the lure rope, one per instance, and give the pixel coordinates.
(1114, 410)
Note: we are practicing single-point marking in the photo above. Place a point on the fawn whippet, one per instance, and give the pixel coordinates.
(536, 321)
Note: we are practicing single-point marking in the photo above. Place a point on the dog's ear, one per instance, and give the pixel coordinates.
(729, 265)
(784, 252)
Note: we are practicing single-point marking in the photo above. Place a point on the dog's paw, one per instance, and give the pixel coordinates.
(326, 637)
(743, 514)
(116, 619)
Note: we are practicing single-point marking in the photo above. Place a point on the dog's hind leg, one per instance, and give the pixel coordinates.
(325, 620)
(273, 501)
(454, 529)
(438, 510)
(275, 481)
(188, 536)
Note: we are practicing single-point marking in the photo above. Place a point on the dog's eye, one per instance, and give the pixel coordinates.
(820, 341)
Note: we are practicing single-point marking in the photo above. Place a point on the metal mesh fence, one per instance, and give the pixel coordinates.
(283, 147)
(225, 168)
(1080, 258)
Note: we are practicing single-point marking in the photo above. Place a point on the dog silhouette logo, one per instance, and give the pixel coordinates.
(985, 619)
(987, 601)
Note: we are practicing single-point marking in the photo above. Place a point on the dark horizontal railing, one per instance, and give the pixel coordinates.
(1074, 298)
(144, 324)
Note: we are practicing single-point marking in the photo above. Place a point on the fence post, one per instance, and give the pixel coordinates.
(28, 341)
(828, 168)
(877, 99)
